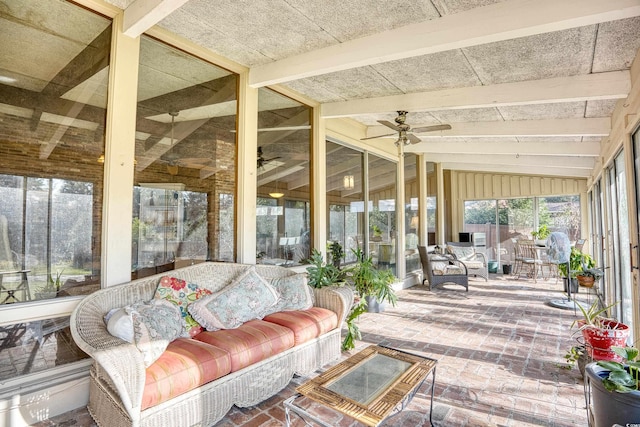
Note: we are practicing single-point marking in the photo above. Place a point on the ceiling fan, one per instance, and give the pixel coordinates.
(405, 133)
(262, 161)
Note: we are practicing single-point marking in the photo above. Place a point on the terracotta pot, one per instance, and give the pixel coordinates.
(586, 281)
(599, 341)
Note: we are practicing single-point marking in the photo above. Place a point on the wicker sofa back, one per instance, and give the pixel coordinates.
(117, 381)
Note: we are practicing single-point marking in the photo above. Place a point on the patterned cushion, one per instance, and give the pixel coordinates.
(474, 264)
(248, 297)
(305, 324)
(185, 365)
(151, 326)
(182, 294)
(462, 253)
(293, 293)
(252, 342)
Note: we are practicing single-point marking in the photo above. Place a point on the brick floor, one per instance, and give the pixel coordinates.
(500, 351)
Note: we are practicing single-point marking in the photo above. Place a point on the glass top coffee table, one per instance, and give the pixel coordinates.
(370, 386)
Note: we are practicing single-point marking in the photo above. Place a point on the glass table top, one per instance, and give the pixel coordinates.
(368, 380)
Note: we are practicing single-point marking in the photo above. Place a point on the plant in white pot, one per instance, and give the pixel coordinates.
(613, 389)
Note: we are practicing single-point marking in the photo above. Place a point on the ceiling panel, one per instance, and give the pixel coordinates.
(561, 53)
(560, 110)
(430, 72)
(350, 19)
(618, 42)
(447, 7)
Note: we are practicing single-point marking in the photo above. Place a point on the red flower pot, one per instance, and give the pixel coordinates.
(599, 341)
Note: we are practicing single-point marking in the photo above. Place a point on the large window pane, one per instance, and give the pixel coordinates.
(382, 215)
(345, 198)
(185, 161)
(561, 214)
(411, 194)
(284, 177)
(52, 120)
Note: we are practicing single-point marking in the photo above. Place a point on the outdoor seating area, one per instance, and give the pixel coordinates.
(496, 365)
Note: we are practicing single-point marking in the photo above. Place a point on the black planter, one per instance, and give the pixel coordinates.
(610, 408)
(506, 269)
(574, 285)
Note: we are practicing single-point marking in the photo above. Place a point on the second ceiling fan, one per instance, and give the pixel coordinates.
(405, 132)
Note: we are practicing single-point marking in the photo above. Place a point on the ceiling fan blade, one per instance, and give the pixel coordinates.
(413, 139)
(379, 136)
(389, 125)
(431, 128)
(273, 158)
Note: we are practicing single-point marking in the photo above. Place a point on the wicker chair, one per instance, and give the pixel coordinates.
(439, 269)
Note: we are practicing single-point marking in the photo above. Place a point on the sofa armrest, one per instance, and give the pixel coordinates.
(119, 359)
(481, 257)
(338, 299)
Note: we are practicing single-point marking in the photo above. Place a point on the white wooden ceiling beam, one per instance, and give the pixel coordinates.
(515, 128)
(609, 85)
(517, 160)
(488, 24)
(534, 148)
(144, 14)
(518, 169)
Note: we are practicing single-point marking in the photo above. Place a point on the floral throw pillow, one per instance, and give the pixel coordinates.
(293, 293)
(182, 294)
(150, 325)
(247, 297)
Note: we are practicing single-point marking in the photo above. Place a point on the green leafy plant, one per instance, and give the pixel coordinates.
(53, 285)
(542, 233)
(592, 316)
(573, 356)
(377, 232)
(367, 280)
(623, 377)
(336, 252)
(320, 273)
(578, 262)
(596, 273)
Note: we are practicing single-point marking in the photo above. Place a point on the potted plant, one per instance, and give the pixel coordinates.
(373, 287)
(336, 252)
(541, 235)
(51, 288)
(578, 262)
(320, 273)
(613, 385)
(588, 277)
(377, 233)
(601, 333)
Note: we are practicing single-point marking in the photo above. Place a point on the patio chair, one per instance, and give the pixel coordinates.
(475, 262)
(439, 269)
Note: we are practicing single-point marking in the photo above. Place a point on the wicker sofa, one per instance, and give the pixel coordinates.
(119, 380)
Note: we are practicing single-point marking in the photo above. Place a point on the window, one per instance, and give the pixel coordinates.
(382, 213)
(411, 194)
(345, 198)
(52, 118)
(284, 177)
(184, 179)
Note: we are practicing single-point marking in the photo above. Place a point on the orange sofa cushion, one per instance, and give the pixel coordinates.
(251, 342)
(184, 365)
(305, 324)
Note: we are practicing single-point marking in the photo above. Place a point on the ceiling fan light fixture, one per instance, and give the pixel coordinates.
(276, 194)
